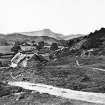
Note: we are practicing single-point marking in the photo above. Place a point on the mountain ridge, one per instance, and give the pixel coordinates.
(41, 35)
(47, 32)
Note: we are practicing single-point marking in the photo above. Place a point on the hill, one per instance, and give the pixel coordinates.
(20, 37)
(68, 37)
(95, 39)
(44, 32)
(42, 35)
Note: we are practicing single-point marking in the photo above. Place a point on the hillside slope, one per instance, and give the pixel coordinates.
(44, 32)
(95, 39)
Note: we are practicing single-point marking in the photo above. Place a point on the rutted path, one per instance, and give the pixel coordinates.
(92, 68)
(79, 65)
(64, 93)
(98, 69)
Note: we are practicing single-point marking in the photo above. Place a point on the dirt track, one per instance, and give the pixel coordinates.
(64, 93)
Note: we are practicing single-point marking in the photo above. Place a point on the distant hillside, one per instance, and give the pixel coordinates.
(20, 37)
(3, 42)
(48, 32)
(93, 40)
(68, 37)
(42, 35)
(44, 32)
(2, 36)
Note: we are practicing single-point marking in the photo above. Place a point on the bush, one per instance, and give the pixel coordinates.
(40, 45)
(54, 46)
(16, 48)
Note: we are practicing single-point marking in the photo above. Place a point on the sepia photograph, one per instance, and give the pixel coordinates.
(52, 52)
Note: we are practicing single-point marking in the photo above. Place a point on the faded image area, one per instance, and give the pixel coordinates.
(52, 52)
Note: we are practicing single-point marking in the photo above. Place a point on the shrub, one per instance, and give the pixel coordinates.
(54, 46)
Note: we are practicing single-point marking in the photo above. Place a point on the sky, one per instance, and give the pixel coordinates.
(61, 16)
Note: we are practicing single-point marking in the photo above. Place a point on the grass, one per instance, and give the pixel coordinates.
(5, 49)
(43, 99)
(65, 75)
(62, 73)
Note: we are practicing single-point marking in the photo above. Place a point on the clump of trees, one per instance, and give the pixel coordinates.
(54, 46)
(95, 40)
(40, 45)
(16, 48)
(63, 43)
(33, 43)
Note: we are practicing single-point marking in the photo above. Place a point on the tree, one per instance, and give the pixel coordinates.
(54, 46)
(40, 45)
(33, 43)
(16, 48)
(63, 43)
(70, 43)
(92, 43)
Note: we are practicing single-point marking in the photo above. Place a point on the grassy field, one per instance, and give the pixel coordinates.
(62, 73)
(40, 99)
(5, 49)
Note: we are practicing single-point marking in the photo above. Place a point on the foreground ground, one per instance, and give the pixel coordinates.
(63, 73)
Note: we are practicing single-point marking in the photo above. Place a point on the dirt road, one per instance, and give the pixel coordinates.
(64, 93)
